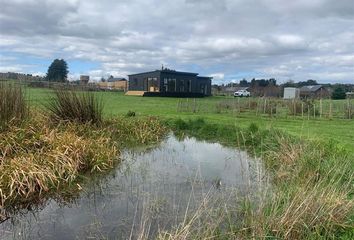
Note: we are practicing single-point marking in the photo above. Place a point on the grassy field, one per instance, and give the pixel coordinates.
(117, 104)
(312, 180)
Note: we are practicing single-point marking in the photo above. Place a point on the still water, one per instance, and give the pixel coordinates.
(150, 191)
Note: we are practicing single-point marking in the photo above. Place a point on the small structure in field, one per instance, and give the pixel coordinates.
(291, 93)
(84, 79)
(169, 83)
(314, 91)
(112, 83)
(350, 95)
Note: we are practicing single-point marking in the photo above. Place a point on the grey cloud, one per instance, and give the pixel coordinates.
(282, 39)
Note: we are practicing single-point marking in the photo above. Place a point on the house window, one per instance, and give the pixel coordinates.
(189, 86)
(181, 85)
(202, 88)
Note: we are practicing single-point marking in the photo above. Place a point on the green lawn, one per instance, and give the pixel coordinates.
(341, 130)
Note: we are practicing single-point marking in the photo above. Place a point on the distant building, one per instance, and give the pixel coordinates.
(166, 82)
(291, 93)
(84, 79)
(349, 95)
(113, 83)
(20, 76)
(314, 91)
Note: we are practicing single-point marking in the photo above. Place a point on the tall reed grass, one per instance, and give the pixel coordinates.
(76, 106)
(13, 106)
(312, 185)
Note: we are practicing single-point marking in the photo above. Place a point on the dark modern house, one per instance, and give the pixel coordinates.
(170, 83)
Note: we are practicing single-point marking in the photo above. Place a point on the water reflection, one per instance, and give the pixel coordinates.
(148, 192)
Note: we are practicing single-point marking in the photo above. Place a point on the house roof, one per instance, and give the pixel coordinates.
(311, 88)
(166, 71)
(204, 78)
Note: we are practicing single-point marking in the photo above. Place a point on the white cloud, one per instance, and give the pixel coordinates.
(217, 76)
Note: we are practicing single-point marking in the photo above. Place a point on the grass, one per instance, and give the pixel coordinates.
(13, 106)
(312, 185)
(75, 106)
(116, 104)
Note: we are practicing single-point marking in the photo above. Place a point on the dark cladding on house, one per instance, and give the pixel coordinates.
(167, 82)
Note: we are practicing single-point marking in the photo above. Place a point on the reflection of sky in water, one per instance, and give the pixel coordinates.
(156, 184)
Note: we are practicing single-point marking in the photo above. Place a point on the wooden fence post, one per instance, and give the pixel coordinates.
(178, 105)
(308, 111)
(239, 106)
(321, 108)
(349, 110)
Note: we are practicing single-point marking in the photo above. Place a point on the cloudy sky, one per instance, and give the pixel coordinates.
(226, 39)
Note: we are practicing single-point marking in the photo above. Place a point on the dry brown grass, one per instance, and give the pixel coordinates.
(305, 213)
(38, 158)
(311, 195)
(43, 157)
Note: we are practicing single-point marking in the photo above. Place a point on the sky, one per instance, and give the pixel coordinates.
(226, 39)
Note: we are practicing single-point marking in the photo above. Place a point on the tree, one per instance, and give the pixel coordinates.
(243, 83)
(58, 71)
(338, 93)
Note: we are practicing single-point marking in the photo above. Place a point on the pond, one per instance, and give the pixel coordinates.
(150, 191)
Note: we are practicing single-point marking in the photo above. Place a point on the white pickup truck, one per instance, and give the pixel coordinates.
(242, 93)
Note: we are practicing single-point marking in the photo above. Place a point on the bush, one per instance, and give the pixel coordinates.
(338, 93)
(76, 106)
(13, 106)
(130, 114)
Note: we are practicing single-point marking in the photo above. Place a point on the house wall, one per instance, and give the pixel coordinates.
(139, 82)
(170, 82)
(291, 93)
(204, 85)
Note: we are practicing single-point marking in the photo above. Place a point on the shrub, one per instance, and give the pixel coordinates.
(130, 114)
(13, 106)
(76, 106)
(180, 124)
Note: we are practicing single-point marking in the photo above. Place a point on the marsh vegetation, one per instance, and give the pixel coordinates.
(55, 152)
(50, 153)
(13, 106)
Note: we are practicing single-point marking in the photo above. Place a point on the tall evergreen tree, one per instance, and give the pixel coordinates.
(58, 71)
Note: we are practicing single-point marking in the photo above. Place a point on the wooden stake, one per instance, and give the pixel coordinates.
(308, 111)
